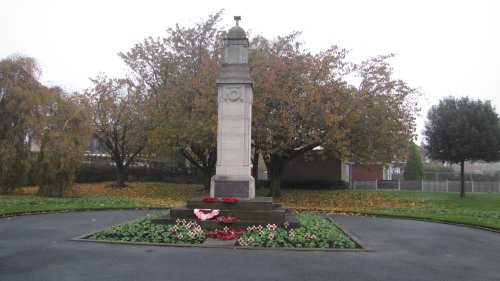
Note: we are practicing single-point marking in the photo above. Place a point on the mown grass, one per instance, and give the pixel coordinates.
(475, 209)
(30, 204)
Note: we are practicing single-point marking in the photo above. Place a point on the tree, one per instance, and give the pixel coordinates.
(459, 130)
(296, 102)
(23, 101)
(382, 116)
(414, 168)
(180, 71)
(65, 135)
(301, 100)
(120, 120)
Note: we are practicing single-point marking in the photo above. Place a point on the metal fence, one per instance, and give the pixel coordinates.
(426, 185)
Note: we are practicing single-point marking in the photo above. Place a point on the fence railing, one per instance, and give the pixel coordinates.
(426, 185)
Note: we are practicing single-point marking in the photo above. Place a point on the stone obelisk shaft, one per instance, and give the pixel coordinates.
(235, 93)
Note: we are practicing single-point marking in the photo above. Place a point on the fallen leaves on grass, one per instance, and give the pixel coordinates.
(161, 195)
(165, 195)
(342, 200)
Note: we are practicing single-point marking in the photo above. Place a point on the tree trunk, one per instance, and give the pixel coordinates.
(207, 177)
(120, 177)
(275, 168)
(275, 182)
(462, 180)
(204, 163)
(255, 167)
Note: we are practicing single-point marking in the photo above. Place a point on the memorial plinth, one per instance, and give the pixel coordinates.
(257, 211)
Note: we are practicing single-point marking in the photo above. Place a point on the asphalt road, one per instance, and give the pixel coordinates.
(38, 247)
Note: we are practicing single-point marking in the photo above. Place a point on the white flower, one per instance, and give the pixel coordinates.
(271, 227)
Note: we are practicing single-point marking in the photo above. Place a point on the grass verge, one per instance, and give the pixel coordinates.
(11, 205)
(478, 209)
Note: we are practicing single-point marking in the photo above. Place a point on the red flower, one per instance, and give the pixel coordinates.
(227, 220)
(227, 234)
(209, 199)
(212, 234)
(230, 199)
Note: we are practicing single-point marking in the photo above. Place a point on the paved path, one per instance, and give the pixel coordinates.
(37, 248)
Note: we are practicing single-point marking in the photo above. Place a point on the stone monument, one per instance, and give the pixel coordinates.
(235, 92)
(233, 172)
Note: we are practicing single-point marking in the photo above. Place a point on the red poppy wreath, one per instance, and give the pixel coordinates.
(206, 214)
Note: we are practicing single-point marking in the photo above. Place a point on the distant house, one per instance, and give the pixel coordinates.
(363, 172)
(389, 171)
(315, 167)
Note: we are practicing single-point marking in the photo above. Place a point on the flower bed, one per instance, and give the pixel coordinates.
(144, 230)
(314, 232)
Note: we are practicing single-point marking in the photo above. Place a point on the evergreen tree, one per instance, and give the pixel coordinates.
(460, 130)
(414, 168)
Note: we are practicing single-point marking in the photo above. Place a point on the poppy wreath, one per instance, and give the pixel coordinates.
(226, 234)
(209, 199)
(226, 220)
(206, 214)
(229, 199)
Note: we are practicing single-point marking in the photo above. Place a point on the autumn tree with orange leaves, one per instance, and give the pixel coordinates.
(180, 71)
(301, 99)
(299, 102)
(383, 113)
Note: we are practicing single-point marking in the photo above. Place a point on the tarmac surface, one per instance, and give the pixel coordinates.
(38, 247)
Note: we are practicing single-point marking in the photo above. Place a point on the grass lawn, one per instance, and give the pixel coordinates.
(32, 204)
(475, 209)
(101, 196)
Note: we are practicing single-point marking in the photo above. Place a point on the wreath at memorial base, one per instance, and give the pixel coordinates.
(229, 199)
(226, 234)
(206, 214)
(227, 220)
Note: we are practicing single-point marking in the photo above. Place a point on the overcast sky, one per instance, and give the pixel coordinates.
(443, 47)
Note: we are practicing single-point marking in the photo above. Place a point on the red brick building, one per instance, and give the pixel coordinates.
(362, 172)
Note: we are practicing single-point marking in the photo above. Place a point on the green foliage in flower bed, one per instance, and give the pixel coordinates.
(144, 230)
(315, 232)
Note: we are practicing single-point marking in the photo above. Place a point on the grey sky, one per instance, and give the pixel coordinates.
(443, 47)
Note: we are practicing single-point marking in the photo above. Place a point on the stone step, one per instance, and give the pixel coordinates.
(258, 203)
(276, 214)
(290, 218)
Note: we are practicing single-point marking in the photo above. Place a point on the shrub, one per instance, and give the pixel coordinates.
(308, 184)
(100, 173)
